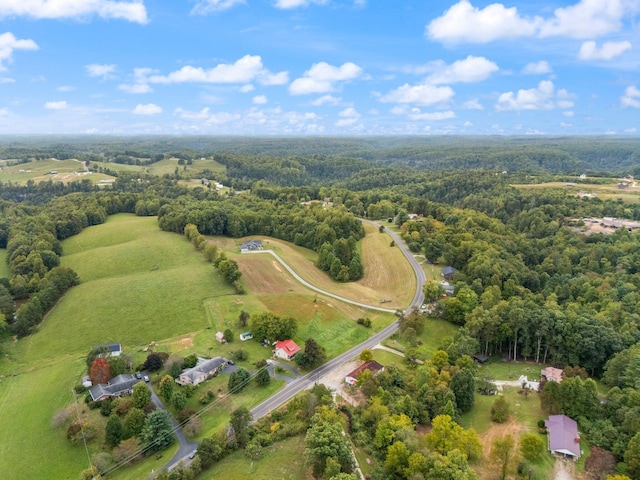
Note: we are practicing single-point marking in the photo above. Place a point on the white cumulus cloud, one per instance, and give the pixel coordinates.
(97, 70)
(204, 7)
(471, 69)
(59, 105)
(148, 109)
(416, 114)
(259, 100)
(322, 77)
(631, 97)
(419, 94)
(326, 100)
(244, 70)
(608, 51)
(543, 97)
(133, 11)
(287, 4)
(465, 23)
(9, 43)
(537, 68)
(349, 116)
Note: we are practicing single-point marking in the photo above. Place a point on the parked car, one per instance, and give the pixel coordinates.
(138, 375)
(193, 454)
(146, 378)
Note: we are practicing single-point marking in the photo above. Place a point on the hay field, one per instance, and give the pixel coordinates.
(388, 275)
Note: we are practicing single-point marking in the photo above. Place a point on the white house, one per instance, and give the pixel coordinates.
(286, 349)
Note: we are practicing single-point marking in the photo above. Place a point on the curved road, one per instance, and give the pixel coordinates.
(302, 383)
(316, 289)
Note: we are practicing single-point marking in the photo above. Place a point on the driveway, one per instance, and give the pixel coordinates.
(186, 446)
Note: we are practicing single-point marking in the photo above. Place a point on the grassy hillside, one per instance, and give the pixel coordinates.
(72, 170)
(140, 284)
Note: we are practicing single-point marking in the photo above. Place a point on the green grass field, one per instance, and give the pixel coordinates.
(71, 170)
(284, 460)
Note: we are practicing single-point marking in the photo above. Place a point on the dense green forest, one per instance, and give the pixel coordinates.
(527, 286)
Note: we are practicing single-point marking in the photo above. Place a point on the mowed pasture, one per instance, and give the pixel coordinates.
(388, 276)
(608, 191)
(72, 170)
(39, 171)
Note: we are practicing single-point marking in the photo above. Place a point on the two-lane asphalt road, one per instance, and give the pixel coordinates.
(308, 380)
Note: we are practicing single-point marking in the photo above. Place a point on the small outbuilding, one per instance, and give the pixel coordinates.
(220, 337)
(113, 349)
(286, 349)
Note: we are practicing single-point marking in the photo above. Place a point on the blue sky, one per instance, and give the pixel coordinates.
(320, 67)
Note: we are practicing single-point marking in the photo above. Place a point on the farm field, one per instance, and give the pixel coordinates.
(72, 170)
(141, 285)
(387, 273)
(38, 171)
(602, 191)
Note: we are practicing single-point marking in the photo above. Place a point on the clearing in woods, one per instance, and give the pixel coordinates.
(387, 276)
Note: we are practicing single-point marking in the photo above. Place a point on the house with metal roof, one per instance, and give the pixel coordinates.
(116, 387)
(203, 370)
(563, 436)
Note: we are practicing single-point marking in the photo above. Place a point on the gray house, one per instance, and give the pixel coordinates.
(203, 370)
(448, 273)
(116, 387)
(251, 246)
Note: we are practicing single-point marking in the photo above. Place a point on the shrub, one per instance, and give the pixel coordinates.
(500, 410)
(240, 355)
(184, 415)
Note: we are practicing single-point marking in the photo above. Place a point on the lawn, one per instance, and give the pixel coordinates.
(284, 460)
(497, 369)
(434, 333)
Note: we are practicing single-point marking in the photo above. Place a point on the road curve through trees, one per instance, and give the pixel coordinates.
(302, 383)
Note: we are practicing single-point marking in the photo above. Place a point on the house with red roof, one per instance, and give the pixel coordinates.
(371, 366)
(563, 435)
(286, 349)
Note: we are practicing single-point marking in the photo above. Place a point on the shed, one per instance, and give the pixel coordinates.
(220, 337)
